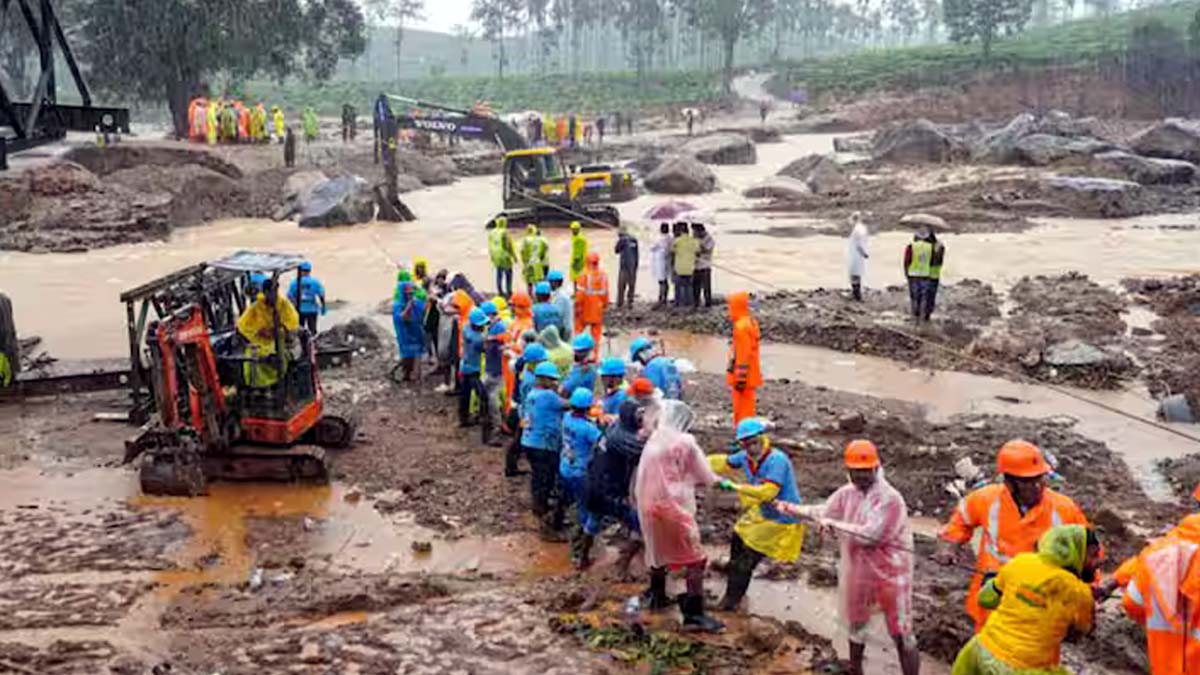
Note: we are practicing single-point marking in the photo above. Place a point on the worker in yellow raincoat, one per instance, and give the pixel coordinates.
(762, 531)
(257, 326)
(211, 115)
(258, 123)
(5, 371)
(277, 124)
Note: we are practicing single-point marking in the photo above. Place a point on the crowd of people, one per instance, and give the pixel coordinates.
(570, 131)
(228, 120)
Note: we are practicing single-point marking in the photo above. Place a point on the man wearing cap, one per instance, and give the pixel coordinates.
(308, 296)
(659, 369)
(580, 436)
(583, 373)
(541, 440)
(564, 299)
(876, 569)
(470, 369)
(1011, 516)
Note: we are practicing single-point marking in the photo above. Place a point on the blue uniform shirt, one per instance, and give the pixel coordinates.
(543, 412)
(663, 373)
(579, 437)
(582, 376)
(472, 360)
(493, 352)
(775, 468)
(546, 314)
(611, 403)
(310, 289)
(525, 386)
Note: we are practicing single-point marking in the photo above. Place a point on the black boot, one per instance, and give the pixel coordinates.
(655, 598)
(581, 550)
(737, 582)
(856, 292)
(694, 617)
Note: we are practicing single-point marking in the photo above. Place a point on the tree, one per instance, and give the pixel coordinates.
(984, 20)
(729, 21)
(495, 17)
(465, 37)
(400, 12)
(156, 49)
(643, 27)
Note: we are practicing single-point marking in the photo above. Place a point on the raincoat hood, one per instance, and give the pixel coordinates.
(420, 267)
(1064, 546)
(739, 306)
(550, 338)
(501, 223)
(403, 275)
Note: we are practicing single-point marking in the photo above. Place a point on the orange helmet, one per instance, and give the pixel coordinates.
(521, 299)
(862, 454)
(594, 258)
(641, 387)
(1021, 459)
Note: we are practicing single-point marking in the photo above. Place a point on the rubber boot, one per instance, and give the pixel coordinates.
(581, 551)
(655, 598)
(737, 582)
(694, 617)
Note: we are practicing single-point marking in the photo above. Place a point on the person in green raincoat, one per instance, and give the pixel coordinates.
(579, 251)
(309, 122)
(558, 352)
(535, 252)
(502, 253)
(229, 119)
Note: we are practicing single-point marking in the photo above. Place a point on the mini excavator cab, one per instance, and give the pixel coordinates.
(227, 406)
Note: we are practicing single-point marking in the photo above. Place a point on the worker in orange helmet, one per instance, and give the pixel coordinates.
(591, 300)
(744, 375)
(1162, 592)
(1012, 516)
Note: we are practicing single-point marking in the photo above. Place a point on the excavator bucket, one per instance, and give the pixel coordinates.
(171, 464)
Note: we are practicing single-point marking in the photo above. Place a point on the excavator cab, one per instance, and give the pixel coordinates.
(534, 175)
(227, 405)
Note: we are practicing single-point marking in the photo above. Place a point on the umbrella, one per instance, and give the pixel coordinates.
(670, 210)
(928, 221)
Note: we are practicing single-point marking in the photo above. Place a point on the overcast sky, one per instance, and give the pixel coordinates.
(442, 15)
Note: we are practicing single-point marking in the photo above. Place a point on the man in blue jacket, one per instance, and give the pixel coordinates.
(541, 440)
(308, 295)
(470, 368)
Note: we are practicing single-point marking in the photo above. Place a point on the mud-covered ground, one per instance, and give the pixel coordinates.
(1171, 350)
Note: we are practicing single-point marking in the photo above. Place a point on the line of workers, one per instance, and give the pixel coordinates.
(226, 120)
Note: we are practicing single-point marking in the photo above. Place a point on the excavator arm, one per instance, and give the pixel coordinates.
(455, 121)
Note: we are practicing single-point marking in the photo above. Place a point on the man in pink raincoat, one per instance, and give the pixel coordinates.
(876, 566)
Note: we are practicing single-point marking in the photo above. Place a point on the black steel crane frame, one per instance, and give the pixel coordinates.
(43, 119)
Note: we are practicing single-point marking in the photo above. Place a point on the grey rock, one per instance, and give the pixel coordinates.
(1170, 139)
(778, 187)
(855, 144)
(345, 200)
(1000, 145)
(1146, 170)
(1074, 353)
(721, 148)
(1044, 149)
(681, 176)
(821, 173)
(916, 141)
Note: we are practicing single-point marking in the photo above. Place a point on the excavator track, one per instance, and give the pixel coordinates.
(297, 464)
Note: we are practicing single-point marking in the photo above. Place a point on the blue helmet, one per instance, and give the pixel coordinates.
(305, 266)
(535, 353)
(542, 288)
(581, 398)
(612, 367)
(497, 329)
(583, 343)
(477, 317)
(638, 346)
(547, 370)
(751, 427)
(555, 277)
(257, 279)
(489, 308)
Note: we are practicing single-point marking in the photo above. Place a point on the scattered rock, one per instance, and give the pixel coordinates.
(645, 164)
(1170, 139)
(721, 148)
(310, 652)
(1044, 149)
(1000, 145)
(778, 187)
(1104, 197)
(422, 547)
(1146, 170)
(345, 200)
(821, 173)
(763, 636)
(58, 179)
(916, 141)
(854, 144)
(852, 423)
(681, 176)
(1074, 353)
(429, 169)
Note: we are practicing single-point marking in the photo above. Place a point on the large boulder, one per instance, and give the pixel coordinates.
(821, 173)
(1074, 353)
(916, 141)
(1000, 145)
(1102, 197)
(1044, 149)
(681, 176)
(344, 200)
(1170, 139)
(722, 148)
(1146, 170)
(297, 190)
(779, 187)
(429, 169)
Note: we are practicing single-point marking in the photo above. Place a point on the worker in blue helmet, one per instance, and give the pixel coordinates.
(492, 403)
(657, 368)
(254, 285)
(545, 312)
(470, 367)
(762, 531)
(583, 373)
(533, 355)
(564, 299)
(612, 376)
(308, 295)
(541, 440)
(580, 436)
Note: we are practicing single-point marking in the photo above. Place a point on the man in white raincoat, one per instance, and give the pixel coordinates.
(857, 254)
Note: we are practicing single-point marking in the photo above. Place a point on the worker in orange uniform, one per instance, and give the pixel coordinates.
(591, 300)
(744, 375)
(1011, 515)
(522, 306)
(1162, 592)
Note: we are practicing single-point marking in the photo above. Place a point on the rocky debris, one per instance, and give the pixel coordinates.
(916, 141)
(1000, 145)
(1042, 141)
(60, 179)
(109, 159)
(765, 134)
(478, 163)
(297, 190)
(360, 334)
(681, 176)
(1170, 139)
(197, 194)
(821, 173)
(1105, 197)
(778, 187)
(1172, 356)
(1074, 353)
(853, 144)
(344, 200)
(1045, 149)
(721, 148)
(1145, 170)
(1177, 408)
(645, 164)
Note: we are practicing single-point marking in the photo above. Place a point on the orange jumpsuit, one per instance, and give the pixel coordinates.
(522, 321)
(591, 300)
(196, 119)
(243, 123)
(1005, 532)
(1162, 592)
(744, 369)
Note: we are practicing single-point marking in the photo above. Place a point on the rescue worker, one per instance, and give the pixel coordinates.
(6, 371)
(541, 440)
(744, 376)
(1011, 516)
(557, 351)
(935, 275)
(534, 252)
(532, 355)
(856, 254)
(1038, 599)
(471, 365)
(612, 376)
(229, 121)
(545, 312)
(257, 326)
(211, 117)
(579, 438)
(1162, 593)
(657, 368)
(564, 299)
(762, 531)
(875, 571)
(627, 253)
(308, 295)
(492, 403)
(197, 110)
(408, 316)
(308, 121)
(584, 373)
(579, 251)
(289, 148)
(610, 475)
(500, 249)
(522, 308)
(918, 269)
(591, 299)
(670, 468)
(684, 251)
(278, 124)
(243, 122)
(702, 279)
(258, 121)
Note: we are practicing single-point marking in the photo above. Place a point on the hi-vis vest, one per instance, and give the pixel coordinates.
(922, 260)
(1156, 596)
(500, 255)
